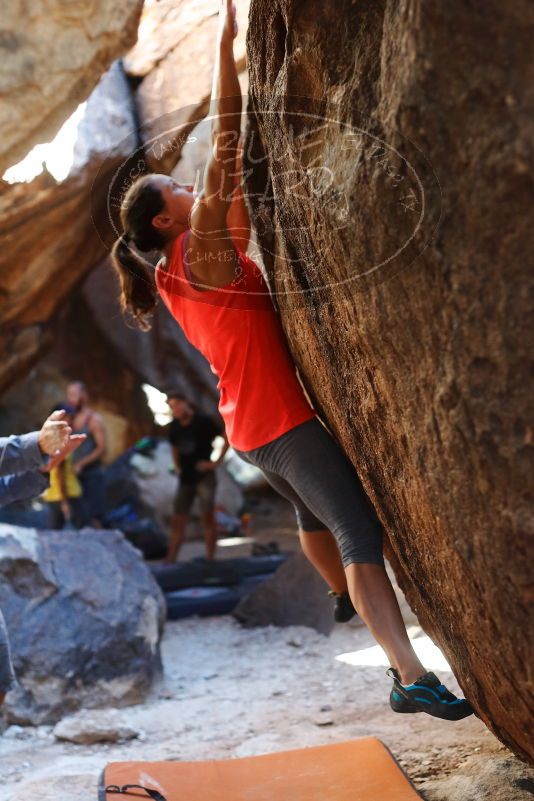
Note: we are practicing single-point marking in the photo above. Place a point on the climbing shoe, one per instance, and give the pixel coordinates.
(343, 609)
(427, 694)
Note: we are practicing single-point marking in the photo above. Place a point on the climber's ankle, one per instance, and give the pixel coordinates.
(411, 676)
(410, 673)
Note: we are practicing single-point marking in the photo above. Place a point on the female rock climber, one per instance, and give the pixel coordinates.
(220, 299)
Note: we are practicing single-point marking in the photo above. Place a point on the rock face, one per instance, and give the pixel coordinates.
(294, 596)
(52, 58)
(85, 619)
(370, 121)
(481, 778)
(50, 233)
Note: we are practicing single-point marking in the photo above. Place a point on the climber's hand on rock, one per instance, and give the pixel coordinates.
(227, 21)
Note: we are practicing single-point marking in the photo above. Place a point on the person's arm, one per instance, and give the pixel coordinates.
(97, 429)
(237, 219)
(30, 483)
(75, 440)
(209, 464)
(176, 459)
(219, 460)
(20, 453)
(211, 253)
(22, 486)
(28, 451)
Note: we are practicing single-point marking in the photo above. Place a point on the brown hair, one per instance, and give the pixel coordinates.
(138, 295)
(180, 397)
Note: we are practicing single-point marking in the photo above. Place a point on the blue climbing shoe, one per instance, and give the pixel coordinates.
(427, 694)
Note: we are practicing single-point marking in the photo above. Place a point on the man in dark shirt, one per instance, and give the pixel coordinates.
(191, 436)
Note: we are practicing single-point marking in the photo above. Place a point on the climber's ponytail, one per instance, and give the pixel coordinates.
(139, 205)
(138, 290)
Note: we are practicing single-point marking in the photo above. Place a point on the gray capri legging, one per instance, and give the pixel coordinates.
(308, 467)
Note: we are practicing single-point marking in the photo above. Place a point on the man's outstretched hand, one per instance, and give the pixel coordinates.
(54, 434)
(72, 443)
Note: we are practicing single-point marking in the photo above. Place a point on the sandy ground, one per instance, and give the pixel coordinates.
(230, 692)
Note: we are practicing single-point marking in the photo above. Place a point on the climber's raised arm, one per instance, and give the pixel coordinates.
(237, 219)
(209, 245)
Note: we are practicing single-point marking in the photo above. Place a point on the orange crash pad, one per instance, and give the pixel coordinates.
(356, 770)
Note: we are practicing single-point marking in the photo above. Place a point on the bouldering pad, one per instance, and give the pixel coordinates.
(207, 601)
(356, 770)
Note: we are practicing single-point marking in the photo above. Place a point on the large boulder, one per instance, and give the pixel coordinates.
(295, 595)
(53, 55)
(54, 232)
(85, 618)
(369, 121)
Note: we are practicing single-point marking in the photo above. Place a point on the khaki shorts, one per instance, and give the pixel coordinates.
(186, 494)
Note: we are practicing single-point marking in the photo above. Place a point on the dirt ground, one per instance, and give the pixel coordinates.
(229, 692)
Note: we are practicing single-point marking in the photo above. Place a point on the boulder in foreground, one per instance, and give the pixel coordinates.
(85, 618)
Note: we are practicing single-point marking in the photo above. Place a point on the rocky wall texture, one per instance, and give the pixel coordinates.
(50, 232)
(390, 186)
(53, 235)
(53, 54)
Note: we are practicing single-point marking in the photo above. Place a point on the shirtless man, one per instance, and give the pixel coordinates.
(87, 459)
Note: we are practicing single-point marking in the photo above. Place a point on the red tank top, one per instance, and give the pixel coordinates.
(237, 329)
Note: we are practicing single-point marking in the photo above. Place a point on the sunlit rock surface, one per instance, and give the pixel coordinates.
(53, 235)
(53, 54)
(50, 233)
(412, 337)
